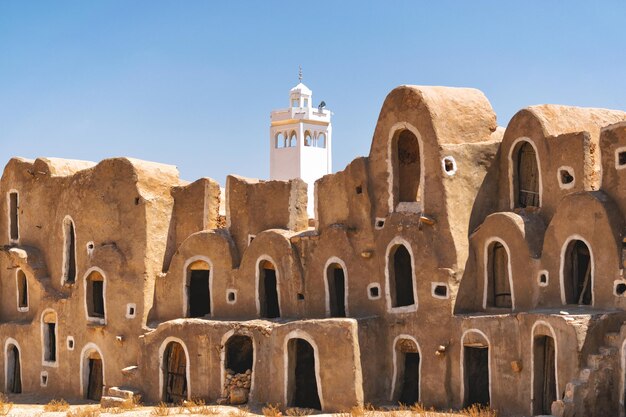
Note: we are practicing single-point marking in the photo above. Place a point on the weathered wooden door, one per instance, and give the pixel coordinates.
(500, 276)
(545, 375)
(527, 177)
(95, 385)
(175, 368)
(14, 382)
(580, 264)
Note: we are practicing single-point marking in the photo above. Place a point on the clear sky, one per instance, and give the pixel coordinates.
(192, 83)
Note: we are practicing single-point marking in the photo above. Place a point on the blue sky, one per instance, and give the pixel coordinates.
(191, 83)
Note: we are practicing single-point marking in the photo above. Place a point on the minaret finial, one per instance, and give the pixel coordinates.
(300, 73)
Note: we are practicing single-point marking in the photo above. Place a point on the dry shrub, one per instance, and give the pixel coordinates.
(84, 412)
(479, 411)
(161, 409)
(5, 405)
(56, 405)
(297, 411)
(272, 410)
(198, 406)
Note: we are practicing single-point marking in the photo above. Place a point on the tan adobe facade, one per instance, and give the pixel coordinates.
(458, 262)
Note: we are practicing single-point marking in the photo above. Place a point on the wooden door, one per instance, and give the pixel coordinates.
(175, 374)
(500, 276)
(95, 385)
(527, 177)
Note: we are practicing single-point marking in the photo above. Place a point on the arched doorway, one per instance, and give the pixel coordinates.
(578, 273)
(400, 265)
(174, 368)
(93, 374)
(407, 166)
(336, 287)
(302, 388)
(526, 176)
(198, 289)
(268, 290)
(475, 363)
(13, 369)
(498, 276)
(238, 365)
(407, 371)
(544, 374)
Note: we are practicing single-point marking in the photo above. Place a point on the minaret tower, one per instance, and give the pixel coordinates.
(301, 141)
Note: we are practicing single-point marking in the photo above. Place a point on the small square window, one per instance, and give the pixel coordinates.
(543, 279)
(380, 223)
(440, 290)
(620, 158)
(70, 343)
(44, 379)
(566, 177)
(251, 238)
(373, 291)
(619, 288)
(131, 310)
(359, 189)
(300, 296)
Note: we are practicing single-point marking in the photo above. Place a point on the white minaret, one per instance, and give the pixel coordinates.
(301, 141)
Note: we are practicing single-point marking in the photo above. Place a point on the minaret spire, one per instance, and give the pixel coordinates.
(300, 73)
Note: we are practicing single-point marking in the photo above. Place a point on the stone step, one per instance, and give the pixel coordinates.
(125, 393)
(112, 402)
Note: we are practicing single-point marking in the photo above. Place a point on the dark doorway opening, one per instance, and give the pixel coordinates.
(268, 291)
(95, 384)
(476, 363)
(407, 372)
(51, 342)
(527, 177)
(70, 251)
(14, 370)
(577, 273)
(303, 382)
(336, 290)
(198, 293)
(401, 277)
(408, 166)
(499, 294)
(13, 216)
(239, 354)
(544, 390)
(175, 374)
(22, 289)
(95, 295)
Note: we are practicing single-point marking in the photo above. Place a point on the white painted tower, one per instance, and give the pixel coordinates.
(301, 141)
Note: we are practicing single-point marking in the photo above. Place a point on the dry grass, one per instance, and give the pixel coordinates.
(198, 406)
(296, 411)
(271, 410)
(241, 412)
(56, 405)
(161, 409)
(84, 412)
(5, 405)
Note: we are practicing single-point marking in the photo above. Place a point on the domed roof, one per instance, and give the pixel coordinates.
(302, 89)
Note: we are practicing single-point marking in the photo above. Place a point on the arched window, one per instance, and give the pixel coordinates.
(22, 291)
(69, 251)
(198, 289)
(302, 389)
(49, 334)
(295, 102)
(336, 284)
(407, 166)
(174, 368)
(94, 293)
(498, 283)
(308, 141)
(407, 372)
(280, 140)
(578, 273)
(293, 139)
(400, 272)
(526, 176)
(321, 140)
(268, 290)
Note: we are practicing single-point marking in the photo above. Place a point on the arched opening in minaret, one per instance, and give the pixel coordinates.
(280, 140)
(293, 139)
(308, 140)
(321, 140)
(407, 164)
